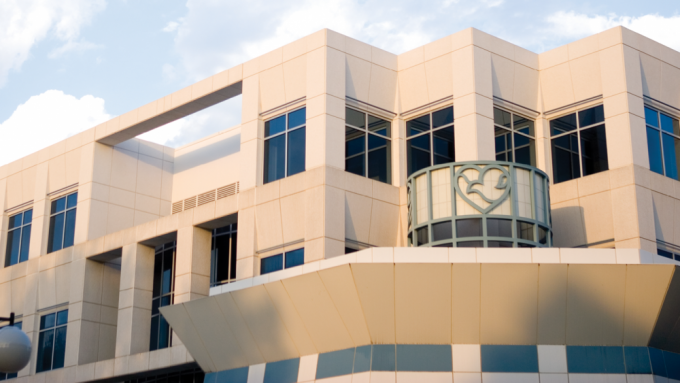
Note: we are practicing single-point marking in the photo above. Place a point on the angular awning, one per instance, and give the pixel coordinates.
(436, 303)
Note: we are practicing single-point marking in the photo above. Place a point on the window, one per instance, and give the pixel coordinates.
(191, 375)
(18, 238)
(514, 138)
(62, 222)
(579, 144)
(163, 293)
(663, 143)
(282, 261)
(223, 256)
(284, 145)
(430, 140)
(52, 341)
(368, 149)
(6, 376)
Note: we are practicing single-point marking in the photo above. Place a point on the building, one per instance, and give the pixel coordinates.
(324, 240)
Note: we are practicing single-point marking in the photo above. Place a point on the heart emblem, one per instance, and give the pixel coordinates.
(477, 186)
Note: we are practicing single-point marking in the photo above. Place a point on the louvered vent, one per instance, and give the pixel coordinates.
(226, 191)
(189, 203)
(202, 199)
(206, 198)
(177, 207)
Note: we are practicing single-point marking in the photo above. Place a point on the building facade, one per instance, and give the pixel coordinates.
(468, 211)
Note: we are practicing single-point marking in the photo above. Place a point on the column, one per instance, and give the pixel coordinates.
(134, 303)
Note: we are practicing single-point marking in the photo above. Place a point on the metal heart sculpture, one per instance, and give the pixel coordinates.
(503, 183)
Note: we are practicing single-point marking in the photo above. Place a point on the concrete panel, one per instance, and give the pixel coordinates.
(585, 75)
(423, 303)
(466, 306)
(509, 296)
(239, 328)
(595, 308)
(183, 326)
(439, 77)
(339, 283)
(321, 317)
(646, 287)
(413, 87)
(552, 303)
(375, 285)
(357, 77)
(383, 87)
(291, 318)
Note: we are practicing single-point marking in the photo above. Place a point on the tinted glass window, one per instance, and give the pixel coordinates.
(355, 118)
(52, 341)
(651, 117)
(654, 150)
(296, 151)
(442, 140)
(62, 223)
(469, 227)
(498, 244)
(565, 158)
(591, 116)
(525, 230)
(295, 258)
(502, 118)
(418, 125)
(594, 150)
(162, 295)
(423, 235)
(379, 126)
(297, 118)
(18, 238)
(514, 147)
(470, 244)
(274, 158)
(442, 231)
(275, 126)
(418, 153)
(498, 227)
(670, 157)
(563, 124)
(442, 117)
(271, 264)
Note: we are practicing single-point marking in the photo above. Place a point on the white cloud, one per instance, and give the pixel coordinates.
(46, 119)
(171, 26)
(23, 23)
(665, 30)
(72, 46)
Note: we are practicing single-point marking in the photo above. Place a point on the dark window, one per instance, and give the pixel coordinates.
(664, 253)
(52, 341)
(163, 295)
(579, 144)
(430, 140)
(542, 235)
(18, 238)
(62, 223)
(471, 227)
(499, 244)
(441, 231)
(663, 143)
(284, 145)
(498, 227)
(282, 261)
(223, 256)
(368, 147)
(514, 138)
(525, 230)
(191, 375)
(423, 236)
(5, 376)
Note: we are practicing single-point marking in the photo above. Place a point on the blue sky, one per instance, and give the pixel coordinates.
(67, 65)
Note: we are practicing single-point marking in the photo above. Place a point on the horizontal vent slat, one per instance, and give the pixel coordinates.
(189, 203)
(206, 198)
(177, 207)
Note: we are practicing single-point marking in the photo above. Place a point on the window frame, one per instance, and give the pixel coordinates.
(285, 132)
(64, 212)
(54, 330)
(430, 131)
(661, 132)
(512, 132)
(576, 131)
(233, 236)
(21, 237)
(366, 132)
(160, 250)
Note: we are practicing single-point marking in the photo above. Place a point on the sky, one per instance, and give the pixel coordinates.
(68, 65)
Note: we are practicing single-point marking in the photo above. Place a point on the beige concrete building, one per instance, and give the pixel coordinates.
(468, 211)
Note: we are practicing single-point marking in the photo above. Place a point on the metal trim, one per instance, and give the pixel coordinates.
(63, 189)
(572, 105)
(291, 243)
(371, 105)
(517, 105)
(19, 207)
(428, 105)
(275, 109)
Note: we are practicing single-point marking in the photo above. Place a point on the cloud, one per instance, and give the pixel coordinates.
(72, 46)
(572, 25)
(46, 119)
(171, 26)
(23, 23)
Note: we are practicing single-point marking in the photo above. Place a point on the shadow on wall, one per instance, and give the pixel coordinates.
(568, 226)
(202, 155)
